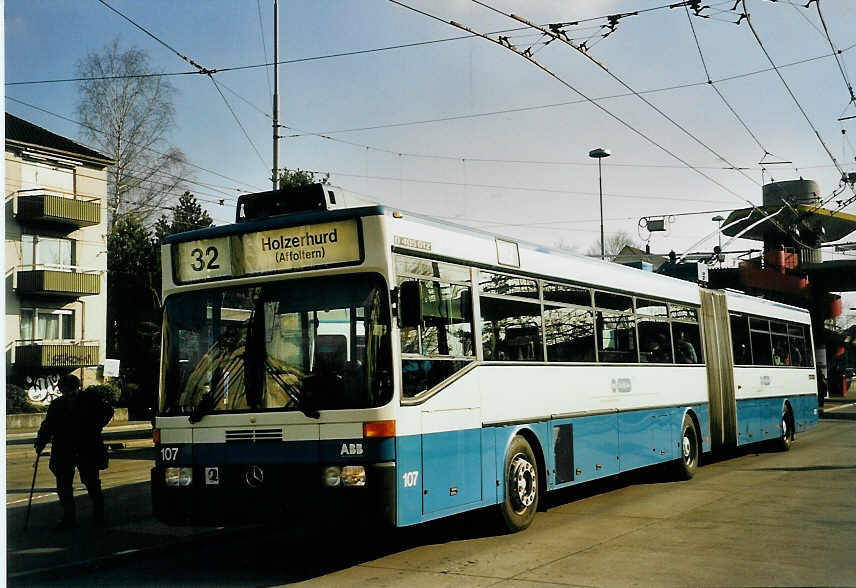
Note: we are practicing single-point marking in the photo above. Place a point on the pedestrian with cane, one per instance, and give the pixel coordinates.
(73, 425)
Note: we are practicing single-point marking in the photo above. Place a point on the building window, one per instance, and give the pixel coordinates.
(52, 252)
(46, 324)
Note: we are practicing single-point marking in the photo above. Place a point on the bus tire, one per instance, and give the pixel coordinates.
(784, 442)
(521, 486)
(688, 462)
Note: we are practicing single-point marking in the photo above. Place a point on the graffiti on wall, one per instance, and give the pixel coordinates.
(42, 389)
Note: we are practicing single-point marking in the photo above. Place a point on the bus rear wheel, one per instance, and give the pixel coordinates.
(688, 462)
(521, 486)
(787, 438)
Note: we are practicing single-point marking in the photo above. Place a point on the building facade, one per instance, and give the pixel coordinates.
(56, 260)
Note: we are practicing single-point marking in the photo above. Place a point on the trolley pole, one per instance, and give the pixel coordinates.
(275, 170)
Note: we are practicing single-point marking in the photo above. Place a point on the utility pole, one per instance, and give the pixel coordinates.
(275, 170)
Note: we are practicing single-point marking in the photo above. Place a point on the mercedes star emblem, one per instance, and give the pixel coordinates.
(255, 477)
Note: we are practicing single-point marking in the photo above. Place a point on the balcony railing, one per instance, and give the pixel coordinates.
(67, 281)
(56, 354)
(57, 207)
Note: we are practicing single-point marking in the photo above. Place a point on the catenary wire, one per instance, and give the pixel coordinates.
(717, 90)
(156, 152)
(788, 88)
(679, 126)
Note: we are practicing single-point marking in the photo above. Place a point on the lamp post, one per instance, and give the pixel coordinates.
(599, 154)
(718, 219)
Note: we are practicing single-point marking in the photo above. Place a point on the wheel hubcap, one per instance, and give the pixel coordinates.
(689, 454)
(523, 483)
(785, 432)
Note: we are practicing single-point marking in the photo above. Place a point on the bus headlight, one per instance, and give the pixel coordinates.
(178, 476)
(332, 476)
(354, 476)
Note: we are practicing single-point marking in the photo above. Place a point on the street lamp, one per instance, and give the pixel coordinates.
(599, 154)
(718, 219)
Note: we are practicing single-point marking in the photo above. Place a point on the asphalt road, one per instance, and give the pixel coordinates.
(757, 518)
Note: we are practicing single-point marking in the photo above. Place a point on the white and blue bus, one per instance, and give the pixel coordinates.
(384, 362)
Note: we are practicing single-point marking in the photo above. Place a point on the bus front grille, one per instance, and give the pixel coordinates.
(254, 435)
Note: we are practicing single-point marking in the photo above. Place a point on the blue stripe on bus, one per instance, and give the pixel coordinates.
(463, 470)
(328, 451)
(760, 419)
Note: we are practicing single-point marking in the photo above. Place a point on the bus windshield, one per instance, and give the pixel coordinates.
(309, 344)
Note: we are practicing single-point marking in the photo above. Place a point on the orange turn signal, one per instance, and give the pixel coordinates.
(379, 429)
(156, 436)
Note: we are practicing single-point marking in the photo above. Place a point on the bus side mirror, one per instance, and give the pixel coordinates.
(410, 304)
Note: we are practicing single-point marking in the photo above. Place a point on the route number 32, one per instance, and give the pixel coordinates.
(203, 260)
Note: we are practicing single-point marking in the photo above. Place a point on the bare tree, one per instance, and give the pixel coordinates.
(615, 242)
(128, 118)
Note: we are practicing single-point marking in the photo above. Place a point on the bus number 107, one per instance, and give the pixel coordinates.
(409, 479)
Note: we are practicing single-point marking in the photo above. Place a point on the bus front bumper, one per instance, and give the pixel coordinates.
(269, 492)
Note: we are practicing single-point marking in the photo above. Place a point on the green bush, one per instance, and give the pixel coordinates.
(109, 393)
(17, 401)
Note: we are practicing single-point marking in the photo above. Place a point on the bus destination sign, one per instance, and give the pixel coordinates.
(277, 250)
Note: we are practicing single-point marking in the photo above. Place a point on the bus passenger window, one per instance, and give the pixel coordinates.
(740, 340)
(569, 332)
(511, 330)
(616, 338)
(447, 324)
(687, 343)
(655, 341)
(797, 346)
(420, 375)
(762, 350)
(779, 338)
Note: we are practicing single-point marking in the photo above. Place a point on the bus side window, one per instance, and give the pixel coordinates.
(687, 343)
(511, 330)
(762, 347)
(740, 340)
(797, 342)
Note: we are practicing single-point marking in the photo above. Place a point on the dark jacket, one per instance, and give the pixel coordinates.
(73, 426)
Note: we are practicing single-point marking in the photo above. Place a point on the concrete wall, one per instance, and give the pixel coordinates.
(34, 420)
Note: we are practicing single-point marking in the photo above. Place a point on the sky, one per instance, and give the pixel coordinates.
(467, 130)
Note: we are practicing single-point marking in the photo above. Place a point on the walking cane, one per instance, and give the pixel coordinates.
(32, 487)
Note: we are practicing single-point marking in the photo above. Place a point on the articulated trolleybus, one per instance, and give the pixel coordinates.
(318, 356)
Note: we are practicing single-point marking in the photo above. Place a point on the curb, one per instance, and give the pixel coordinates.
(835, 413)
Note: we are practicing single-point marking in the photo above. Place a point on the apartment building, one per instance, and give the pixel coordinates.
(56, 259)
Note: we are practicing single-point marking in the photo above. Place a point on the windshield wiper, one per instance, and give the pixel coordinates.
(299, 399)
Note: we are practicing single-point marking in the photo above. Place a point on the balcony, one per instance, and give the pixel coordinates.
(56, 354)
(53, 207)
(72, 281)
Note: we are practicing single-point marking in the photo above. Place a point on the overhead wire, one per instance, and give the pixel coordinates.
(327, 56)
(158, 39)
(238, 121)
(155, 151)
(764, 214)
(264, 44)
(572, 88)
(717, 90)
(788, 88)
(202, 70)
(835, 52)
(567, 102)
(564, 39)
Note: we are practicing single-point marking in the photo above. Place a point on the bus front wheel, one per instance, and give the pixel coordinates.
(521, 486)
